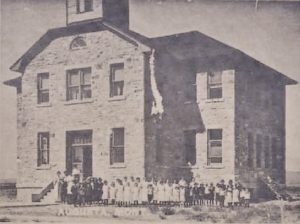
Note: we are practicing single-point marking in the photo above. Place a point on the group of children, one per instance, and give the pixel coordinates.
(136, 191)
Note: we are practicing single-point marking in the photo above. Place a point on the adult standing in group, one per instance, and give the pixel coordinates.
(58, 185)
(76, 174)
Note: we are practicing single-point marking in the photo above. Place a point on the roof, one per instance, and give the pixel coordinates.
(182, 46)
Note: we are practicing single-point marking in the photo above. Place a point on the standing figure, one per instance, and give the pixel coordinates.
(235, 196)
(105, 190)
(120, 192)
(112, 193)
(135, 193)
(161, 192)
(228, 196)
(150, 192)
(211, 194)
(127, 194)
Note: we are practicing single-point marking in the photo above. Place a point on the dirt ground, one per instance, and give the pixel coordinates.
(267, 212)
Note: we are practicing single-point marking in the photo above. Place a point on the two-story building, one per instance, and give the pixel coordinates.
(114, 103)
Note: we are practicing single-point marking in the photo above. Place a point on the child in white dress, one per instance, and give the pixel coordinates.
(105, 192)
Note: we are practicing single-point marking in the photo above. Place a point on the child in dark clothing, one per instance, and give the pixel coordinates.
(81, 195)
(88, 192)
(195, 193)
(211, 195)
(201, 194)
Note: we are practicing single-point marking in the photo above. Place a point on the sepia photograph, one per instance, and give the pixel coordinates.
(150, 111)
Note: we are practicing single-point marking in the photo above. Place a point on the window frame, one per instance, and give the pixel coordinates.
(190, 149)
(40, 90)
(40, 151)
(112, 83)
(115, 150)
(81, 6)
(81, 84)
(209, 147)
(76, 39)
(211, 85)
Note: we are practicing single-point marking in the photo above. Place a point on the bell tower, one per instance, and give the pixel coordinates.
(115, 12)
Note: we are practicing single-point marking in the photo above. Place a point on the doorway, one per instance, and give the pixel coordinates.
(79, 152)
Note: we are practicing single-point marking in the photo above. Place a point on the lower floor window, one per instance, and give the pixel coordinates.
(117, 146)
(43, 148)
(214, 147)
(190, 146)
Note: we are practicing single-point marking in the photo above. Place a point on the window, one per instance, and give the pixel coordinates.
(214, 85)
(267, 152)
(43, 87)
(116, 80)
(258, 150)
(43, 148)
(84, 6)
(77, 43)
(214, 154)
(250, 150)
(117, 146)
(79, 84)
(274, 152)
(190, 146)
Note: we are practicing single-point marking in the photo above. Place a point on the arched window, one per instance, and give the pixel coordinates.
(78, 42)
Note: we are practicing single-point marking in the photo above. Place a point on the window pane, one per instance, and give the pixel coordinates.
(117, 88)
(44, 81)
(43, 96)
(119, 154)
(118, 74)
(215, 134)
(190, 146)
(74, 78)
(215, 93)
(43, 148)
(215, 77)
(88, 5)
(86, 92)
(118, 137)
(216, 160)
(215, 151)
(73, 93)
(86, 76)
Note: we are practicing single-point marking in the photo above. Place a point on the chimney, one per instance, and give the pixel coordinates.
(115, 12)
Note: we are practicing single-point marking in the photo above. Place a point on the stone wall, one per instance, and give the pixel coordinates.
(216, 114)
(99, 114)
(260, 110)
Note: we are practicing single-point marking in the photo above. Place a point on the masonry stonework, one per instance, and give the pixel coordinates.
(99, 114)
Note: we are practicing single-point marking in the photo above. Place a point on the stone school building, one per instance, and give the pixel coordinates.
(96, 95)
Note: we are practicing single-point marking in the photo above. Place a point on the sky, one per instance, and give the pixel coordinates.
(270, 34)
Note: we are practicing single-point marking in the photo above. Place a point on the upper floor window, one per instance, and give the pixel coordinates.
(190, 146)
(117, 146)
(84, 6)
(79, 84)
(116, 80)
(214, 85)
(43, 148)
(78, 42)
(43, 87)
(214, 147)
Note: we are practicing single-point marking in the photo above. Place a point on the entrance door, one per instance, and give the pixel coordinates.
(79, 152)
(82, 159)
